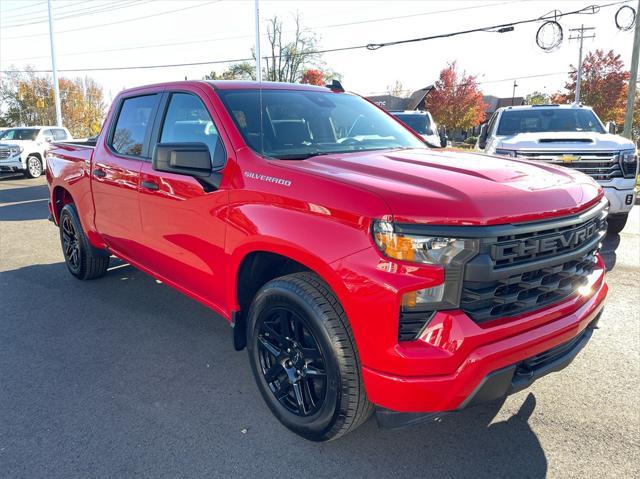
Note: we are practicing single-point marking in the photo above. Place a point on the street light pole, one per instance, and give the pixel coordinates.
(580, 36)
(258, 60)
(633, 78)
(513, 95)
(56, 87)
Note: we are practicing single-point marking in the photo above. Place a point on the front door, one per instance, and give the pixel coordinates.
(116, 173)
(183, 221)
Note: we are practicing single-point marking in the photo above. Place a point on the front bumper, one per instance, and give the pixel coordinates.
(621, 200)
(475, 380)
(11, 165)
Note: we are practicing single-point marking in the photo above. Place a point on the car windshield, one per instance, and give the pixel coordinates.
(546, 120)
(417, 122)
(19, 134)
(298, 124)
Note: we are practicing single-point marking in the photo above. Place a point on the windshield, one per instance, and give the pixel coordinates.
(417, 122)
(299, 124)
(19, 134)
(546, 120)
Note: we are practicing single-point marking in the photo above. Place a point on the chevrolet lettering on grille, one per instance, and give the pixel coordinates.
(544, 244)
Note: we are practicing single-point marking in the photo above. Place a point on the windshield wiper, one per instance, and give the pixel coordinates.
(301, 156)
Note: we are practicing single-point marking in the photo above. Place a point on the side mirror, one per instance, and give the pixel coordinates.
(611, 127)
(482, 138)
(189, 159)
(48, 139)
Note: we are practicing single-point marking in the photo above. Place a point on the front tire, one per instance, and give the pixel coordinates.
(82, 260)
(304, 360)
(34, 167)
(616, 223)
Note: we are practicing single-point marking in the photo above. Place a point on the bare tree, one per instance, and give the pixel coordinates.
(286, 60)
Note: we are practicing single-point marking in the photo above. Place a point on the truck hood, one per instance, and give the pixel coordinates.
(21, 143)
(447, 187)
(565, 141)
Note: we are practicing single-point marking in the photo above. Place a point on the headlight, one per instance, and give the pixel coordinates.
(418, 249)
(15, 150)
(629, 163)
(500, 151)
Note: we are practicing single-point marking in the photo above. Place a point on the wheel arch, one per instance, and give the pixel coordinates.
(255, 265)
(60, 197)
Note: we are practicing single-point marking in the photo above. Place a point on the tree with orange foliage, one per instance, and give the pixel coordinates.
(313, 77)
(456, 100)
(603, 86)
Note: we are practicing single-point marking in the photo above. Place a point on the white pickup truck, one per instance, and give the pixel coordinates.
(572, 136)
(23, 149)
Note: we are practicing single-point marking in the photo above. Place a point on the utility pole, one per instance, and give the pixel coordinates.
(56, 87)
(513, 95)
(633, 78)
(258, 60)
(580, 36)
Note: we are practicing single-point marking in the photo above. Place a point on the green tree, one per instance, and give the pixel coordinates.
(537, 98)
(237, 71)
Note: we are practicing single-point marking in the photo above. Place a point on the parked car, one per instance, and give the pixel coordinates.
(24, 149)
(572, 136)
(362, 270)
(422, 123)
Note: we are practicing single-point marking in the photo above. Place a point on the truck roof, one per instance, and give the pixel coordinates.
(567, 106)
(252, 85)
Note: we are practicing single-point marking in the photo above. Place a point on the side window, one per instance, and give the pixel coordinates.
(492, 122)
(59, 134)
(188, 121)
(132, 124)
(47, 135)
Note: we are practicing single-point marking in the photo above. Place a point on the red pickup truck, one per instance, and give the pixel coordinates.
(362, 271)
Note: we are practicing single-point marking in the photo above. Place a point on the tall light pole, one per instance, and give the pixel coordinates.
(258, 59)
(580, 36)
(56, 87)
(513, 95)
(633, 78)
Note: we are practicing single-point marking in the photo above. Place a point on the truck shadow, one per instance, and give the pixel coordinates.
(136, 362)
(608, 251)
(24, 204)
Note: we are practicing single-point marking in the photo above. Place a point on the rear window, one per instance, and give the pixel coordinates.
(132, 125)
(417, 122)
(547, 120)
(59, 134)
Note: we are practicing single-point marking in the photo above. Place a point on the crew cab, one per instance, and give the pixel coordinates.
(24, 149)
(362, 271)
(572, 136)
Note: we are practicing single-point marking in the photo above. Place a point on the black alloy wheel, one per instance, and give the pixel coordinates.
(291, 361)
(304, 359)
(70, 243)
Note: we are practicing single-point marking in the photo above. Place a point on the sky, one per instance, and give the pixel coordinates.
(124, 33)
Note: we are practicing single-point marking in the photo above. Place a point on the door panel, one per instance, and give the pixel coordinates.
(116, 174)
(184, 226)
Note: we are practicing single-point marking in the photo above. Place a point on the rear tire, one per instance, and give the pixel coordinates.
(616, 223)
(34, 167)
(82, 260)
(304, 359)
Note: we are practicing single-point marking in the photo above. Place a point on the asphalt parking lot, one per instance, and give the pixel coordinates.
(124, 377)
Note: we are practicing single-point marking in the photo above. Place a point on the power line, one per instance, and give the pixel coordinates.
(91, 27)
(118, 5)
(595, 8)
(591, 9)
(62, 7)
(188, 42)
(26, 6)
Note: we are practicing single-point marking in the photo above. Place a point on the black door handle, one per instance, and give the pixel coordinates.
(149, 185)
(99, 173)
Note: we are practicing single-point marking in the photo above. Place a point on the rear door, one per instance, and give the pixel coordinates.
(183, 221)
(116, 173)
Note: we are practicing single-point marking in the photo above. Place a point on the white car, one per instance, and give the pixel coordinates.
(572, 136)
(23, 149)
(422, 123)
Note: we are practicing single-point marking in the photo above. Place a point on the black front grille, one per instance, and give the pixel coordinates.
(523, 292)
(412, 324)
(519, 248)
